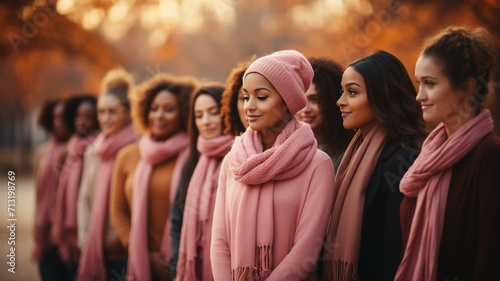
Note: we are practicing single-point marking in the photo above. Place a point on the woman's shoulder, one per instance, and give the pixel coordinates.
(395, 152)
(489, 145)
(320, 160)
(394, 161)
(129, 150)
(488, 150)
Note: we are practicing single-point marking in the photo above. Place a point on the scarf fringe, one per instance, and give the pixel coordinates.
(263, 261)
(341, 270)
(188, 268)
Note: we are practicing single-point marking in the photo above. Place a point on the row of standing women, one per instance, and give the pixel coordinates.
(293, 170)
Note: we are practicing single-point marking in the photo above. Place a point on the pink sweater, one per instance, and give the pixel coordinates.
(302, 206)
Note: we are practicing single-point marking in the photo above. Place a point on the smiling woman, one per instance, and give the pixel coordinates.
(274, 182)
(102, 252)
(450, 212)
(80, 115)
(196, 195)
(378, 100)
(322, 113)
(148, 172)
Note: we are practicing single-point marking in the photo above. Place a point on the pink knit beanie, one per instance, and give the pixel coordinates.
(289, 72)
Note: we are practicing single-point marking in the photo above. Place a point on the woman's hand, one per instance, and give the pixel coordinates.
(159, 266)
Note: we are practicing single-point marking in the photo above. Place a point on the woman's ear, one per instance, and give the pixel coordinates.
(468, 86)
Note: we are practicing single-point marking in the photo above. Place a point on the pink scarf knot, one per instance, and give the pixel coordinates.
(199, 209)
(253, 166)
(64, 230)
(92, 266)
(428, 179)
(257, 170)
(152, 153)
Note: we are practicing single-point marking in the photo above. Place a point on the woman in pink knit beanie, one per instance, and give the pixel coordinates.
(275, 188)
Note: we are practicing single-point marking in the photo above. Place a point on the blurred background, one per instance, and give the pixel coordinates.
(52, 48)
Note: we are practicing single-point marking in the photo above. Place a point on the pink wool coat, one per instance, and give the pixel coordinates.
(302, 206)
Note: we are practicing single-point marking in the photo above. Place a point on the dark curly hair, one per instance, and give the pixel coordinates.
(464, 53)
(46, 115)
(71, 108)
(392, 97)
(229, 108)
(215, 91)
(327, 79)
(144, 94)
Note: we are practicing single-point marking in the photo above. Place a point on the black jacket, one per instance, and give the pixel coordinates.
(380, 250)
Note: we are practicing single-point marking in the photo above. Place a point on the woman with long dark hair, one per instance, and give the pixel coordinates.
(378, 100)
(80, 115)
(46, 172)
(206, 131)
(322, 113)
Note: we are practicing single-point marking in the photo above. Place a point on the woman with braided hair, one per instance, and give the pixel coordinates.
(450, 214)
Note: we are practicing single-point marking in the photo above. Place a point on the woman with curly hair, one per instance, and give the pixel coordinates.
(452, 206)
(102, 251)
(80, 115)
(321, 112)
(46, 174)
(378, 100)
(235, 119)
(146, 174)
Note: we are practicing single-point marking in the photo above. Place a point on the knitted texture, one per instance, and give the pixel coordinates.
(289, 72)
(251, 165)
(289, 157)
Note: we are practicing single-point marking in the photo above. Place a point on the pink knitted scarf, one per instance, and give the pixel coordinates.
(344, 234)
(64, 230)
(199, 209)
(92, 267)
(152, 153)
(428, 179)
(253, 226)
(46, 196)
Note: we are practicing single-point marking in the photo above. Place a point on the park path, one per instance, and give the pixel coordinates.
(25, 269)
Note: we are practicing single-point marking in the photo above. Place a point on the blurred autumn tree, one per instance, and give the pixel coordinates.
(52, 48)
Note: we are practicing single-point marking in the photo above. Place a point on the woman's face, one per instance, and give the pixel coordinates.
(112, 114)
(61, 132)
(86, 119)
(164, 116)
(241, 110)
(435, 93)
(354, 105)
(263, 106)
(207, 116)
(311, 114)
